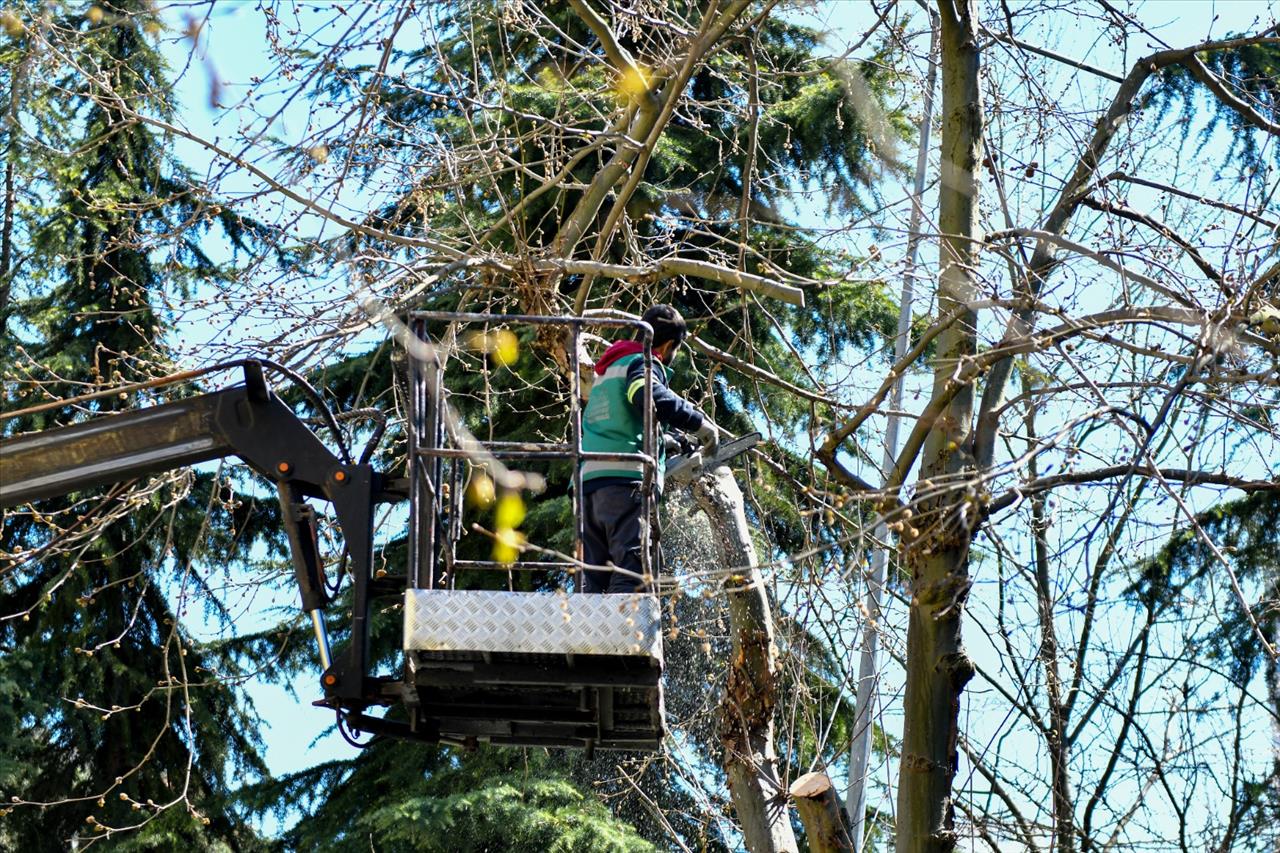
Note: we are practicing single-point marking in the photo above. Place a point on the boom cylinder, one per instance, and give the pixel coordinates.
(322, 639)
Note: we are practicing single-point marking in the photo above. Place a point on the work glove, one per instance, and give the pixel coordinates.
(708, 436)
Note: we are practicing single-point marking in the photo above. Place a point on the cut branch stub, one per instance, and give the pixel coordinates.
(820, 812)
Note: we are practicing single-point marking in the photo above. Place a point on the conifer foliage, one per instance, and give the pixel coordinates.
(114, 730)
(473, 126)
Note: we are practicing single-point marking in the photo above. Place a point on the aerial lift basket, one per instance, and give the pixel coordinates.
(508, 666)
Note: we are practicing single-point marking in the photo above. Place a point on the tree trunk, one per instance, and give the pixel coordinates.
(751, 691)
(936, 541)
(820, 812)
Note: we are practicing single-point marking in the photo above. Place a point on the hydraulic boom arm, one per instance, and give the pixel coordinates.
(248, 422)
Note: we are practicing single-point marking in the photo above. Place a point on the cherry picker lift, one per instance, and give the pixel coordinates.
(500, 666)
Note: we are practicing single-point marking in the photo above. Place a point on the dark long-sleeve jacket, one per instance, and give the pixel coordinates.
(613, 421)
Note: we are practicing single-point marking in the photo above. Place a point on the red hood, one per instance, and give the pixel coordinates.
(616, 351)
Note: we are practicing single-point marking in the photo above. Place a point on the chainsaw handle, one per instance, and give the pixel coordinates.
(684, 445)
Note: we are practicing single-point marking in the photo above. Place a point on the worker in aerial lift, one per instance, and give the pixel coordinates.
(613, 422)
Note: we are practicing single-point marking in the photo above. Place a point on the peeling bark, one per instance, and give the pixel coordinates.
(751, 692)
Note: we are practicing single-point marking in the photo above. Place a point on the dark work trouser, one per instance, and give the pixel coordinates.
(614, 528)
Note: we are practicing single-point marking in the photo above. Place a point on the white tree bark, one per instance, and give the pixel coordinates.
(868, 672)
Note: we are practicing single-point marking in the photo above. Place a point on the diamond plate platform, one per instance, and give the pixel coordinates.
(536, 668)
(532, 622)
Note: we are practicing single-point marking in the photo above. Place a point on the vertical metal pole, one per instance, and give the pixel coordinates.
(322, 639)
(428, 490)
(575, 429)
(413, 576)
(651, 472)
(436, 471)
(457, 501)
(424, 429)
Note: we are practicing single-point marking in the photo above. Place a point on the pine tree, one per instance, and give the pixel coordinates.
(1246, 529)
(404, 796)
(806, 120)
(113, 718)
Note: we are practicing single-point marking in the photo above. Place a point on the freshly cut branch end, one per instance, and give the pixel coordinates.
(820, 812)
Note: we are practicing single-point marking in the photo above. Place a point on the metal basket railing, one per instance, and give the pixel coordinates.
(438, 467)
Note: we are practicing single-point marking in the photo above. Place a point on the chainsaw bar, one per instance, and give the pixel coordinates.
(687, 466)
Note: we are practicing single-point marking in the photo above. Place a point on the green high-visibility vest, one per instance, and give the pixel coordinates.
(611, 423)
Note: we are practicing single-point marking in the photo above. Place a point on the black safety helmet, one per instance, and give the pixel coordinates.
(667, 325)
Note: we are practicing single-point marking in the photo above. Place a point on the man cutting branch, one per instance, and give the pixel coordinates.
(615, 526)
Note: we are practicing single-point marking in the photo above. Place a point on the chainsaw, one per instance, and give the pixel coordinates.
(685, 462)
